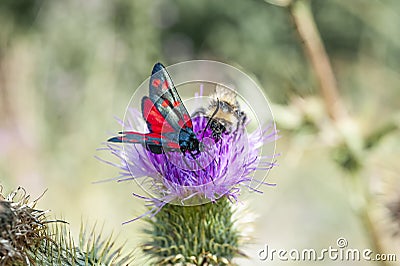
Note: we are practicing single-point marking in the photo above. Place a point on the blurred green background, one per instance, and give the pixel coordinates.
(67, 68)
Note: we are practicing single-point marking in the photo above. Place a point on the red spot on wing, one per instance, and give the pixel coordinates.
(156, 83)
(173, 145)
(165, 85)
(155, 118)
(181, 123)
(188, 121)
(177, 103)
(165, 103)
(127, 139)
(154, 135)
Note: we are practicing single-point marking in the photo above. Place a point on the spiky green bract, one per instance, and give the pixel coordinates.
(193, 235)
(93, 249)
(27, 237)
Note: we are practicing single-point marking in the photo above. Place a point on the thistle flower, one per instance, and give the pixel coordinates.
(386, 208)
(21, 228)
(394, 208)
(204, 186)
(222, 169)
(27, 237)
(191, 178)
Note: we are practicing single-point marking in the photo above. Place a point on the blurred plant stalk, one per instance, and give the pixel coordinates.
(315, 50)
(353, 144)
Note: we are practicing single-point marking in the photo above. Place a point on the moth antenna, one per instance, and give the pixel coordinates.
(210, 119)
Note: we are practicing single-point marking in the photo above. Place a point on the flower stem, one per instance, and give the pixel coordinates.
(303, 19)
(195, 235)
(308, 32)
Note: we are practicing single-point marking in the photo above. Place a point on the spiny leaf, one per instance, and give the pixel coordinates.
(27, 237)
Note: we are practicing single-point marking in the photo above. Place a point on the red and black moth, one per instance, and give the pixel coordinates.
(169, 123)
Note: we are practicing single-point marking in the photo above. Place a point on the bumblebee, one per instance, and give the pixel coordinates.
(223, 112)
